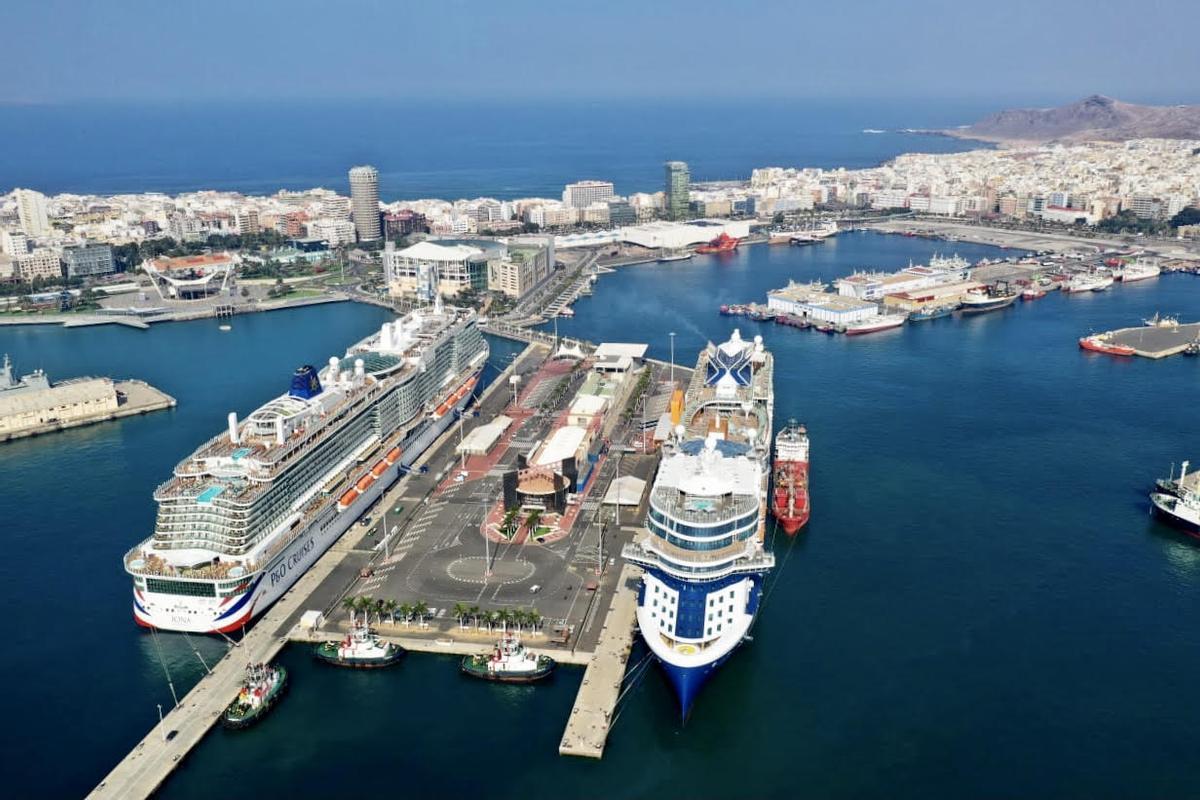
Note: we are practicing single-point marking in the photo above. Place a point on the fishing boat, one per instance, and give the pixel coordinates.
(933, 312)
(1099, 343)
(1161, 321)
(882, 322)
(509, 662)
(360, 649)
(1181, 506)
(988, 298)
(1033, 293)
(793, 321)
(262, 688)
(1087, 282)
(674, 255)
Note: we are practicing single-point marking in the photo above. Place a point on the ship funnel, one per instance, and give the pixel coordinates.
(1183, 470)
(233, 431)
(333, 368)
(359, 368)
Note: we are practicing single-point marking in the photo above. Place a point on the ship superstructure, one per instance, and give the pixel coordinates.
(247, 513)
(703, 551)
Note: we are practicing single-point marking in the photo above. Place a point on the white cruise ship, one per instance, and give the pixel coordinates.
(703, 551)
(246, 514)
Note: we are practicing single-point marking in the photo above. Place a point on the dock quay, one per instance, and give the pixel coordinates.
(592, 716)
(94, 399)
(1156, 341)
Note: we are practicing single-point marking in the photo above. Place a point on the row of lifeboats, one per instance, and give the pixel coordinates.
(453, 398)
(364, 483)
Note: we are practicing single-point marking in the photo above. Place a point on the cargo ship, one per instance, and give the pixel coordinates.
(703, 551)
(246, 514)
(789, 496)
(988, 298)
(722, 244)
(875, 324)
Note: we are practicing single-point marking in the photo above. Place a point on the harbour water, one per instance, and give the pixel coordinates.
(980, 605)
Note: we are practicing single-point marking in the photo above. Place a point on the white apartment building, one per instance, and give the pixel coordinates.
(585, 193)
(31, 209)
(337, 232)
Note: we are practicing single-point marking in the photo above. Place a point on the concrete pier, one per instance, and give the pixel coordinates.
(592, 716)
(145, 768)
(1156, 341)
(133, 398)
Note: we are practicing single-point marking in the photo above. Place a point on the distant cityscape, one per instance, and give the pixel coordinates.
(68, 238)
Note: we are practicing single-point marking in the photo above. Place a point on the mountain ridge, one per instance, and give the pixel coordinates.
(1094, 118)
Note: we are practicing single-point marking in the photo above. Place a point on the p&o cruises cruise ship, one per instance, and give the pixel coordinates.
(703, 553)
(246, 514)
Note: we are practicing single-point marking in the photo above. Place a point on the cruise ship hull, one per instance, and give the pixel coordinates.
(687, 666)
(223, 615)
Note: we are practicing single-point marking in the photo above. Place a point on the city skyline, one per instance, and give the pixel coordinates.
(921, 49)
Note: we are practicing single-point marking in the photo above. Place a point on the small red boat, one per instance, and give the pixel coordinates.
(789, 498)
(722, 244)
(1098, 345)
(1033, 293)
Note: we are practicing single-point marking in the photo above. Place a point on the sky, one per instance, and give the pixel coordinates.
(1020, 50)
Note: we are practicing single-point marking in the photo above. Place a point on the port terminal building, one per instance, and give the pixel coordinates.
(811, 302)
(191, 277)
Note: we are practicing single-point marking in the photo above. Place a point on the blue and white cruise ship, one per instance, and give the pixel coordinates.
(703, 552)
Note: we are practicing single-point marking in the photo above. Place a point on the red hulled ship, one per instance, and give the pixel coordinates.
(789, 498)
(722, 244)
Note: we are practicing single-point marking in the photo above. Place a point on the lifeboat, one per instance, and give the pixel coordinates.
(345, 500)
(393, 456)
(379, 469)
(364, 482)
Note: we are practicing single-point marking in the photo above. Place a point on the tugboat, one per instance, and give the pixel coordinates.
(361, 649)
(789, 498)
(1181, 509)
(722, 244)
(509, 662)
(262, 688)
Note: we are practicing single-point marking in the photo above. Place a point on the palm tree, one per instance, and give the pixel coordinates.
(475, 613)
(389, 606)
(378, 607)
(406, 611)
(518, 618)
(493, 619)
(349, 604)
(421, 612)
(534, 619)
(460, 613)
(363, 605)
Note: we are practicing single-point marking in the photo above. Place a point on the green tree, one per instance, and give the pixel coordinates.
(350, 604)
(421, 612)
(1188, 216)
(460, 612)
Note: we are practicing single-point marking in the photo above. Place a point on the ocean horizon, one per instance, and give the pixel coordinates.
(447, 149)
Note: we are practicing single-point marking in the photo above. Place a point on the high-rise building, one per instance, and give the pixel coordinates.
(584, 193)
(246, 221)
(31, 208)
(88, 259)
(364, 202)
(678, 180)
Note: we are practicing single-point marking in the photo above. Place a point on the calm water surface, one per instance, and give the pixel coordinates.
(980, 605)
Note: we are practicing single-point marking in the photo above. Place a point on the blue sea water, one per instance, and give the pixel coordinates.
(980, 605)
(449, 149)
